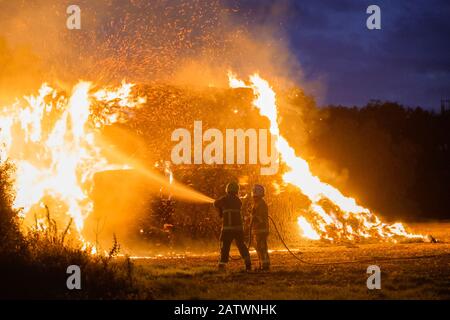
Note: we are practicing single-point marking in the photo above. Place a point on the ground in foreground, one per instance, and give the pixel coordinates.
(195, 277)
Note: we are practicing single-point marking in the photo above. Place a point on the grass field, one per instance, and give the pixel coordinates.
(195, 276)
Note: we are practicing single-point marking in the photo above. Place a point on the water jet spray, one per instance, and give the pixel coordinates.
(172, 187)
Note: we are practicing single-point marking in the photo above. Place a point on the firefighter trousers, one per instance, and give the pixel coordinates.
(262, 250)
(226, 238)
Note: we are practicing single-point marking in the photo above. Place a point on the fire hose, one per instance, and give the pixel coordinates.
(280, 237)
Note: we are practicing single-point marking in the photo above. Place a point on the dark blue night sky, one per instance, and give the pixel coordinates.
(407, 61)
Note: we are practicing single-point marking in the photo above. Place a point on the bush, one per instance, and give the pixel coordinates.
(33, 265)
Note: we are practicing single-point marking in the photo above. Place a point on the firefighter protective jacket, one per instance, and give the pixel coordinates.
(260, 217)
(229, 207)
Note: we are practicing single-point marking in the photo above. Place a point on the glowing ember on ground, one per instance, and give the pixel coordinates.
(333, 215)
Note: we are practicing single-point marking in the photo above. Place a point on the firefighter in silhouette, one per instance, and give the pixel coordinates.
(260, 226)
(229, 207)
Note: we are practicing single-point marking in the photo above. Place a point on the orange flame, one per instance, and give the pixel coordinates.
(334, 216)
(51, 140)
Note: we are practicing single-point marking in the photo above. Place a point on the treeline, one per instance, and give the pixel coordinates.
(394, 159)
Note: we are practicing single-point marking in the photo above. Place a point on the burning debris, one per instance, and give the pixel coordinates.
(53, 141)
(333, 215)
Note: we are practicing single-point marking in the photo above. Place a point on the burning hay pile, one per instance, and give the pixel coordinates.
(59, 142)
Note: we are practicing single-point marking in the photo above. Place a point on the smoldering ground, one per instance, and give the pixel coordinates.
(195, 276)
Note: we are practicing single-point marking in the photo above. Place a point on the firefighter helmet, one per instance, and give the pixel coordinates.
(232, 188)
(258, 191)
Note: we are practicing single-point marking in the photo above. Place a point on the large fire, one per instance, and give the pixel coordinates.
(51, 140)
(333, 215)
